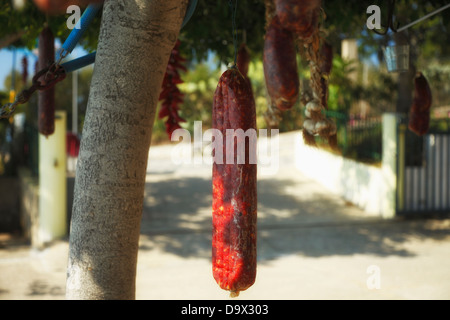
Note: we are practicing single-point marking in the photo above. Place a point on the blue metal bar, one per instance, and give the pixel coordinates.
(81, 27)
(86, 18)
(79, 62)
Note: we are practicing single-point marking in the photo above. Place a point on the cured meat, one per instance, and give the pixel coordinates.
(234, 187)
(46, 99)
(419, 118)
(280, 66)
(298, 16)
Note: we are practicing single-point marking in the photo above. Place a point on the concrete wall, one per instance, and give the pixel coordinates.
(29, 204)
(9, 204)
(356, 182)
(371, 188)
(43, 205)
(53, 183)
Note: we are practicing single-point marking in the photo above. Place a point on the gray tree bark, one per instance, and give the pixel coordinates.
(136, 39)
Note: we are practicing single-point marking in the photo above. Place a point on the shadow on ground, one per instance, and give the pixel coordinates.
(293, 219)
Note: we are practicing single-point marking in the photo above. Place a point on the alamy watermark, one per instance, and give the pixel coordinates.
(374, 280)
(374, 21)
(250, 146)
(74, 19)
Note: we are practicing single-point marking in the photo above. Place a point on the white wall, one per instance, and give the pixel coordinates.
(371, 188)
(52, 219)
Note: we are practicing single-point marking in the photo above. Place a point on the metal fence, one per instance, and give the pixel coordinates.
(424, 169)
(359, 138)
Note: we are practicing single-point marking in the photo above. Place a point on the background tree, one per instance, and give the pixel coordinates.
(209, 33)
(136, 39)
(134, 43)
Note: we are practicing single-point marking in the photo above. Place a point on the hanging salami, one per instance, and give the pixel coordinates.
(46, 99)
(300, 17)
(280, 66)
(24, 70)
(419, 118)
(234, 188)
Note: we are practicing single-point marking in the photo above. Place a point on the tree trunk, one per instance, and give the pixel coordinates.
(136, 39)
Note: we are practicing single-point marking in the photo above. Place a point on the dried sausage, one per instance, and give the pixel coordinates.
(300, 17)
(419, 118)
(234, 188)
(46, 99)
(280, 66)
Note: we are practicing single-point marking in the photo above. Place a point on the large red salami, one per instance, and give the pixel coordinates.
(234, 188)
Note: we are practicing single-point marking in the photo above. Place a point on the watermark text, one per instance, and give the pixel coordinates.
(74, 19)
(236, 147)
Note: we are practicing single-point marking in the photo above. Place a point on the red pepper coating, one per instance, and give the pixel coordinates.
(46, 98)
(419, 118)
(298, 16)
(280, 66)
(234, 189)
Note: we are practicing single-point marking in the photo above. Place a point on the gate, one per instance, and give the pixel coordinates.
(423, 177)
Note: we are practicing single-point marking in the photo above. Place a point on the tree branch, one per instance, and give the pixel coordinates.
(11, 38)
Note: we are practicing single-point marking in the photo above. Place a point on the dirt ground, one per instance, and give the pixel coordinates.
(311, 244)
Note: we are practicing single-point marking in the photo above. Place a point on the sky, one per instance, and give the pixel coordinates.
(6, 61)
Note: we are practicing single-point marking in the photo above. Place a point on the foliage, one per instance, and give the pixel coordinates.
(341, 88)
(349, 21)
(210, 28)
(63, 94)
(31, 20)
(199, 84)
(209, 33)
(438, 77)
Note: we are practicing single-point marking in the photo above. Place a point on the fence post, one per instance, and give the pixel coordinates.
(401, 166)
(389, 164)
(52, 217)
